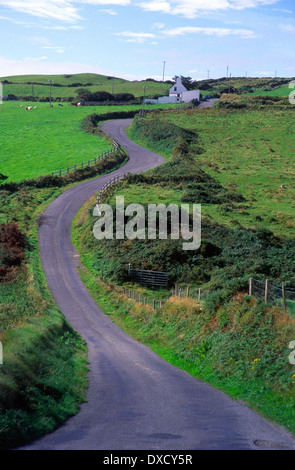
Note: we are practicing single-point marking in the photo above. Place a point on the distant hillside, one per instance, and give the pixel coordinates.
(243, 85)
(65, 86)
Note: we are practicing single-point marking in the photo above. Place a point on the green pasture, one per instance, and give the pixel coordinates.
(252, 152)
(43, 140)
(65, 86)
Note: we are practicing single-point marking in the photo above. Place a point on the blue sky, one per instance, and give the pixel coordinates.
(133, 38)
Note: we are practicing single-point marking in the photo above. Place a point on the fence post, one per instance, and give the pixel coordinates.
(187, 291)
(199, 296)
(154, 304)
(266, 291)
(284, 298)
(250, 286)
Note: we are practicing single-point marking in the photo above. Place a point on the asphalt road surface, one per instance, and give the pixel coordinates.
(136, 400)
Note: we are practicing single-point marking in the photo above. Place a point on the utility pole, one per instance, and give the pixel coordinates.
(164, 63)
(208, 74)
(50, 83)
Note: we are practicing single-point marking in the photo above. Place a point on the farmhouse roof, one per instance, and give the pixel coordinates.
(178, 87)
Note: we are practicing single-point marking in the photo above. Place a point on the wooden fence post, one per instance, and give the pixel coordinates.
(250, 286)
(199, 296)
(266, 291)
(154, 304)
(284, 298)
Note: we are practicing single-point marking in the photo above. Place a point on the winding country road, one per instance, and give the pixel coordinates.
(136, 401)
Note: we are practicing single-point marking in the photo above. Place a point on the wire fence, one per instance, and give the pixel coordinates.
(197, 294)
(271, 293)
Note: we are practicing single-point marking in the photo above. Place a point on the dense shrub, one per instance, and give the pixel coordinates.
(12, 249)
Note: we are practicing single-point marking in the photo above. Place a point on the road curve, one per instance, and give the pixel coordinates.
(136, 400)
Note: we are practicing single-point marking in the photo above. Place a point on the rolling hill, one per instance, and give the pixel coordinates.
(65, 86)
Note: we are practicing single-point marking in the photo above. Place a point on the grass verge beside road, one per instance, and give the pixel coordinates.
(43, 378)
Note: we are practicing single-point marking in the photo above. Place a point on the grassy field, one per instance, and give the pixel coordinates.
(65, 86)
(45, 139)
(252, 152)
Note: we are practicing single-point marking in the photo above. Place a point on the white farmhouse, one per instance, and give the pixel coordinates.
(177, 89)
(177, 94)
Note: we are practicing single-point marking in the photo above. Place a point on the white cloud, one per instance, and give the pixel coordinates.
(35, 59)
(153, 5)
(61, 10)
(135, 37)
(58, 49)
(108, 11)
(283, 10)
(190, 8)
(68, 10)
(287, 28)
(104, 2)
(219, 32)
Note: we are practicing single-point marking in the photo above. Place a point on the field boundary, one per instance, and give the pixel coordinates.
(87, 163)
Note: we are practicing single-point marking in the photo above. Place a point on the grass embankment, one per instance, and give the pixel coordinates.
(43, 378)
(239, 346)
(233, 341)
